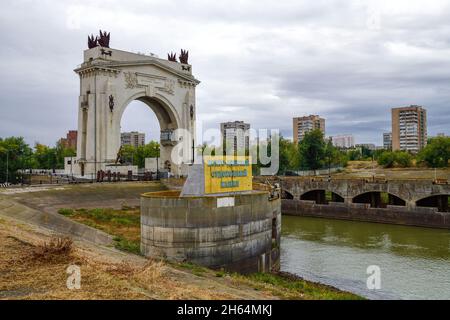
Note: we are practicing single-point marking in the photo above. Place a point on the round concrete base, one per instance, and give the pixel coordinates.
(238, 232)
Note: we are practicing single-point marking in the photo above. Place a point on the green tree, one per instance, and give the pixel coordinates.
(386, 159)
(287, 156)
(389, 159)
(354, 155)
(45, 157)
(437, 153)
(403, 159)
(15, 154)
(150, 150)
(61, 152)
(137, 156)
(311, 150)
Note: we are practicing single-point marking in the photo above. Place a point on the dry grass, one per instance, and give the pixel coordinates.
(55, 248)
(34, 266)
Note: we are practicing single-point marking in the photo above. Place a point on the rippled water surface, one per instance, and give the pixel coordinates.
(414, 262)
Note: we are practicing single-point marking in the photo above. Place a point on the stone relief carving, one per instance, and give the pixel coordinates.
(131, 81)
(169, 86)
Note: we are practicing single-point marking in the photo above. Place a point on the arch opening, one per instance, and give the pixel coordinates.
(378, 199)
(441, 202)
(139, 135)
(286, 195)
(321, 196)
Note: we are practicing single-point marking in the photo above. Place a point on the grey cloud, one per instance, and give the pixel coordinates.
(261, 62)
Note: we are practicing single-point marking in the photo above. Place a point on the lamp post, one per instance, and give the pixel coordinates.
(71, 164)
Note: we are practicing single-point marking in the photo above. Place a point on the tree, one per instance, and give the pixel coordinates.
(150, 150)
(61, 152)
(287, 156)
(137, 156)
(403, 159)
(386, 159)
(311, 150)
(389, 159)
(45, 157)
(437, 153)
(15, 154)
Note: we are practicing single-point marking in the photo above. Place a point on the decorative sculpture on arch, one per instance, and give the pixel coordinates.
(92, 42)
(184, 56)
(172, 57)
(102, 40)
(111, 103)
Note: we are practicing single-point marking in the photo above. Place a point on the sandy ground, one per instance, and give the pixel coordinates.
(365, 169)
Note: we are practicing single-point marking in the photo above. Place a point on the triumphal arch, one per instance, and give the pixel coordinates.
(109, 80)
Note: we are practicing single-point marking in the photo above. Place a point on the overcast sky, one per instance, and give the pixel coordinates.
(263, 62)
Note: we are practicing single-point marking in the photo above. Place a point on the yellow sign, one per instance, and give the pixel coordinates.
(223, 174)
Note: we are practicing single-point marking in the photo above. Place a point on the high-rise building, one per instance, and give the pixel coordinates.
(409, 128)
(70, 141)
(387, 140)
(302, 125)
(235, 134)
(132, 138)
(343, 141)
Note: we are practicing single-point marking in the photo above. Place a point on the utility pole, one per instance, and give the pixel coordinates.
(7, 166)
(193, 151)
(157, 168)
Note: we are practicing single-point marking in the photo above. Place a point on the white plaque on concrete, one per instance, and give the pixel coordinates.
(225, 202)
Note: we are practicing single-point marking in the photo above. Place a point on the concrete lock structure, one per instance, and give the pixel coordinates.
(236, 232)
(109, 80)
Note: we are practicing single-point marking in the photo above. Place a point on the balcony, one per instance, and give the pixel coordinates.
(168, 138)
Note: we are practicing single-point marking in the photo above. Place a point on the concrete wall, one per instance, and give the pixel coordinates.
(417, 216)
(236, 238)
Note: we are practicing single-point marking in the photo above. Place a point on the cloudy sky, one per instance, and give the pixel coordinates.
(259, 61)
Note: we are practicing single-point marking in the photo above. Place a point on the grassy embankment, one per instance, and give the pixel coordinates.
(125, 226)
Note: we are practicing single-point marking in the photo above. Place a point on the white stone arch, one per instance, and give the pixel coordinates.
(110, 80)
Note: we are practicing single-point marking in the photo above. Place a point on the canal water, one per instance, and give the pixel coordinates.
(414, 262)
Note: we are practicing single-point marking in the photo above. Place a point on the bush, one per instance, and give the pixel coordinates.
(403, 159)
(437, 153)
(387, 159)
(57, 246)
(65, 212)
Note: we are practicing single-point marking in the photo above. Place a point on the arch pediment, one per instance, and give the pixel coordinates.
(143, 63)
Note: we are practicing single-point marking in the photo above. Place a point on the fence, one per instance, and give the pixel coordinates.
(320, 172)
